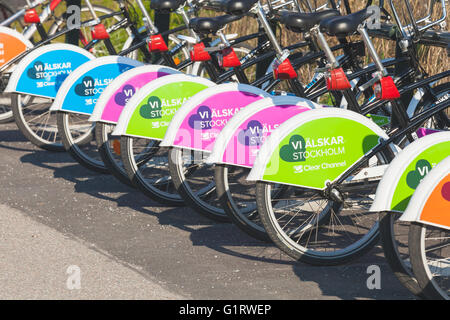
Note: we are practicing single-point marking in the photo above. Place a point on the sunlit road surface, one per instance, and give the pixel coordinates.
(56, 214)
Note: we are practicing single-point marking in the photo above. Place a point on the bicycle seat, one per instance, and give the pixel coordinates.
(301, 22)
(234, 7)
(345, 25)
(211, 25)
(166, 5)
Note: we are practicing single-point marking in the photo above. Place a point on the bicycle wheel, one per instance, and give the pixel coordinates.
(77, 135)
(315, 228)
(394, 237)
(394, 233)
(109, 150)
(6, 114)
(199, 194)
(238, 199)
(193, 179)
(238, 196)
(430, 258)
(36, 122)
(146, 165)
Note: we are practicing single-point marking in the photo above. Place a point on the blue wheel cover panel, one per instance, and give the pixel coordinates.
(85, 91)
(44, 76)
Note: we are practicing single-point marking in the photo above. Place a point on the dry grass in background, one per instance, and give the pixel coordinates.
(433, 59)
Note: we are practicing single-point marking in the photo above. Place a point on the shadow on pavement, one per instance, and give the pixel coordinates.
(346, 282)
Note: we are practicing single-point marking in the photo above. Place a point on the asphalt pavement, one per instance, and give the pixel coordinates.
(68, 233)
(56, 214)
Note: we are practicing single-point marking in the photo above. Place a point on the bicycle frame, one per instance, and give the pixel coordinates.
(29, 30)
(406, 127)
(395, 136)
(50, 39)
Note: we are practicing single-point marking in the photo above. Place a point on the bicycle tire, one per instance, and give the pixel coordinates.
(111, 155)
(246, 224)
(392, 245)
(87, 141)
(19, 111)
(185, 188)
(399, 266)
(418, 249)
(309, 222)
(137, 172)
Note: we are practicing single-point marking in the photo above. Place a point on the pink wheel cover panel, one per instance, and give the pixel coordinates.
(202, 125)
(245, 142)
(117, 101)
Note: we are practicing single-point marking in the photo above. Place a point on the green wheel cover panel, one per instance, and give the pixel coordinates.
(319, 151)
(417, 169)
(154, 113)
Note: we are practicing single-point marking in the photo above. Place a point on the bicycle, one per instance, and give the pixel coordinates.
(36, 121)
(55, 31)
(336, 195)
(209, 25)
(87, 154)
(233, 191)
(225, 180)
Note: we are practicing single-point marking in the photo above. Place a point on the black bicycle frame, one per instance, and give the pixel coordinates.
(415, 122)
(50, 39)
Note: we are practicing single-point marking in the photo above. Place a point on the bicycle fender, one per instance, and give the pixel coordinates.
(316, 147)
(149, 112)
(197, 123)
(12, 43)
(409, 167)
(113, 99)
(430, 203)
(240, 140)
(43, 70)
(82, 88)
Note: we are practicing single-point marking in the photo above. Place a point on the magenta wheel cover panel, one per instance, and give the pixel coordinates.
(207, 113)
(244, 144)
(243, 136)
(118, 100)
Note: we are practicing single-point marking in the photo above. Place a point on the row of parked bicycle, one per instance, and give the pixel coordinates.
(320, 168)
